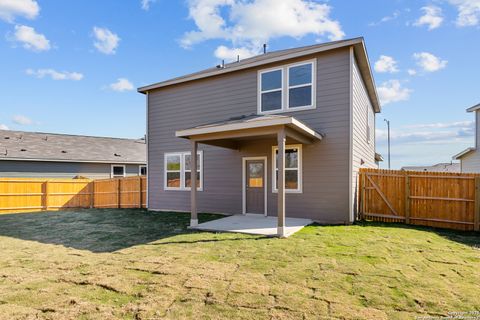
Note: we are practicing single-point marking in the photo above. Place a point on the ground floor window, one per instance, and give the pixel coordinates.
(117, 171)
(293, 168)
(178, 171)
(142, 171)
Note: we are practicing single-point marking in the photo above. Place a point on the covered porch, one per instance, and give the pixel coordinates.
(237, 132)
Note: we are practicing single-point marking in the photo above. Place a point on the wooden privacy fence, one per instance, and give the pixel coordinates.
(32, 194)
(437, 199)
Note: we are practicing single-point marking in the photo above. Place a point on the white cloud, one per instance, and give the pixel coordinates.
(22, 120)
(55, 75)
(9, 9)
(412, 72)
(248, 24)
(443, 125)
(223, 52)
(121, 85)
(432, 17)
(428, 62)
(468, 12)
(146, 4)
(392, 91)
(386, 64)
(30, 39)
(106, 41)
(3, 127)
(393, 16)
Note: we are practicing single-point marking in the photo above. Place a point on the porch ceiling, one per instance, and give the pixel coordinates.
(233, 132)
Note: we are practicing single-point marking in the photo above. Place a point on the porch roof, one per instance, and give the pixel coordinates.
(251, 126)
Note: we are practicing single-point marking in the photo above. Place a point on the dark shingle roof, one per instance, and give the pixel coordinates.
(71, 148)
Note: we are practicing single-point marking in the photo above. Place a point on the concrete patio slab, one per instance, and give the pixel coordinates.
(253, 224)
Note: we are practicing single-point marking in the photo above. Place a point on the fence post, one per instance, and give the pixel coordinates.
(476, 217)
(45, 195)
(407, 199)
(140, 192)
(119, 194)
(362, 195)
(92, 194)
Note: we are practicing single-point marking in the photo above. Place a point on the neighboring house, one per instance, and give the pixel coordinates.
(35, 154)
(439, 167)
(316, 102)
(470, 157)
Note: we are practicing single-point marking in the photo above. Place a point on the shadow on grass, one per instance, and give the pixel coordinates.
(469, 238)
(97, 230)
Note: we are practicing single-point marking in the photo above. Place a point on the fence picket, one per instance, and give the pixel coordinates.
(26, 195)
(437, 199)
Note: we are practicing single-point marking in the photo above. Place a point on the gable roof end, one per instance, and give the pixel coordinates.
(459, 155)
(358, 45)
(474, 108)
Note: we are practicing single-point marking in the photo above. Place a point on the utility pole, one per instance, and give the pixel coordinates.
(388, 138)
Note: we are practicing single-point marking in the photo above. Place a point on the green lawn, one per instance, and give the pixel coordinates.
(131, 264)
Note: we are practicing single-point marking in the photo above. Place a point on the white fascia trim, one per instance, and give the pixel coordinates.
(250, 65)
(474, 108)
(464, 152)
(252, 124)
(73, 161)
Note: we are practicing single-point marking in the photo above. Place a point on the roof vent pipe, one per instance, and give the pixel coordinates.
(238, 58)
(264, 48)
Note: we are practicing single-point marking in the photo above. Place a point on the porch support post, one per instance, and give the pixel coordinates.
(193, 184)
(281, 183)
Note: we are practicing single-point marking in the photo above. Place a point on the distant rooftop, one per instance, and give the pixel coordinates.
(22, 145)
(439, 167)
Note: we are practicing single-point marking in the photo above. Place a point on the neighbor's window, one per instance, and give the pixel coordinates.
(178, 171)
(293, 168)
(142, 171)
(288, 88)
(118, 171)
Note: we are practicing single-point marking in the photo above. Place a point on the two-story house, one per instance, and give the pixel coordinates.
(470, 157)
(280, 134)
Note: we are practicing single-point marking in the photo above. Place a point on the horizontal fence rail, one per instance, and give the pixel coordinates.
(436, 199)
(34, 194)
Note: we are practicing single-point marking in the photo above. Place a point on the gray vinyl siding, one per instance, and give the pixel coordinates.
(325, 164)
(38, 169)
(362, 150)
(470, 163)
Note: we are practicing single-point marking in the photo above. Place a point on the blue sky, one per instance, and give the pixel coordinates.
(73, 66)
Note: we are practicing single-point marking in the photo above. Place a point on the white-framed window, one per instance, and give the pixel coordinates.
(293, 168)
(142, 170)
(117, 171)
(287, 88)
(178, 171)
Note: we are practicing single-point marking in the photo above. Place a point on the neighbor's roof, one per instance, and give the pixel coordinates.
(474, 108)
(277, 56)
(463, 153)
(439, 167)
(37, 146)
(250, 122)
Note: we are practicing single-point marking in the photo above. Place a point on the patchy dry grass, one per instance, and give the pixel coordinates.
(130, 264)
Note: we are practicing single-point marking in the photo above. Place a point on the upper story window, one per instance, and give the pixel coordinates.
(287, 88)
